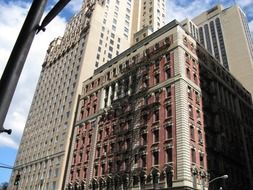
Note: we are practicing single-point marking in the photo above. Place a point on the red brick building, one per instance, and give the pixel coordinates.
(140, 121)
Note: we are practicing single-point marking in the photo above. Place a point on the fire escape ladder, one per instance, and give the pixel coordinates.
(92, 150)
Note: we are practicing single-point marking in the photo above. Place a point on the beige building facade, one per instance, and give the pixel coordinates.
(225, 33)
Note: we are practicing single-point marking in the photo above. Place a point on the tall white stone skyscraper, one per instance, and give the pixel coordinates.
(148, 16)
(100, 31)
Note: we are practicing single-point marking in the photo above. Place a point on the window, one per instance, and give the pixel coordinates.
(169, 154)
(168, 132)
(193, 155)
(111, 42)
(190, 111)
(110, 48)
(156, 136)
(168, 73)
(188, 74)
(98, 152)
(87, 155)
(85, 173)
(98, 56)
(168, 111)
(155, 158)
(198, 114)
(200, 137)
(100, 135)
(156, 79)
(103, 169)
(90, 139)
(156, 116)
(168, 91)
(157, 96)
(197, 98)
(201, 159)
(144, 139)
(114, 21)
(195, 78)
(96, 170)
(80, 157)
(114, 28)
(110, 167)
(54, 185)
(143, 161)
(192, 132)
(189, 92)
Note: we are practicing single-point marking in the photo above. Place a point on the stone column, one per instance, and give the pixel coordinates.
(102, 99)
(129, 85)
(109, 96)
(116, 90)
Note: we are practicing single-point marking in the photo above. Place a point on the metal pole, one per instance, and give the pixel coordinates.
(18, 56)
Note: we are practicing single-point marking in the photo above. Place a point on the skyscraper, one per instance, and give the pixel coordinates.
(101, 30)
(225, 33)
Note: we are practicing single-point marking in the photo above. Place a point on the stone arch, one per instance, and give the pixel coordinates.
(155, 173)
(94, 184)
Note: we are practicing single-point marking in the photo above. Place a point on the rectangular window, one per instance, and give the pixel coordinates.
(103, 169)
(168, 73)
(168, 111)
(156, 136)
(157, 79)
(114, 28)
(143, 161)
(169, 132)
(169, 154)
(193, 154)
(168, 91)
(96, 170)
(189, 92)
(201, 159)
(192, 132)
(155, 158)
(156, 116)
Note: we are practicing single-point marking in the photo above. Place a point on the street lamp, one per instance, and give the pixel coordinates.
(216, 178)
(220, 177)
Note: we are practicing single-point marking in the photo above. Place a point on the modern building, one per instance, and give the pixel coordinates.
(100, 31)
(148, 119)
(226, 35)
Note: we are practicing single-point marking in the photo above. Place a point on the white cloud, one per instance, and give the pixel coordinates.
(12, 16)
(75, 5)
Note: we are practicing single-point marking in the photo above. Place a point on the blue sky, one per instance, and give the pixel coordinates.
(12, 15)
